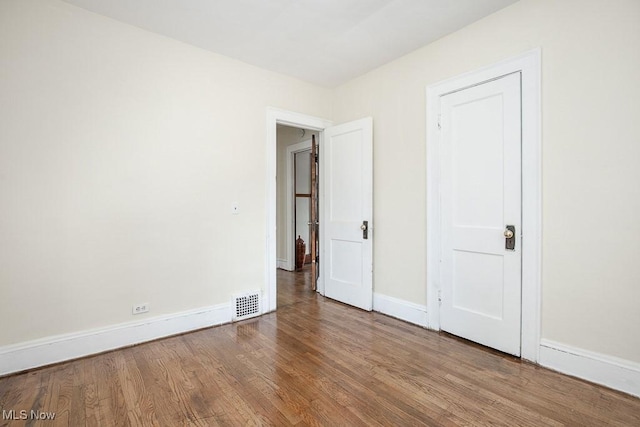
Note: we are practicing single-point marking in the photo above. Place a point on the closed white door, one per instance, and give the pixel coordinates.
(346, 218)
(480, 131)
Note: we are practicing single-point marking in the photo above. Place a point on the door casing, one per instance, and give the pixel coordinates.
(528, 64)
(276, 116)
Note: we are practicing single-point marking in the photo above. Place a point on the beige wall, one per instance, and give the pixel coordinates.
(121, 152)
(591, 150)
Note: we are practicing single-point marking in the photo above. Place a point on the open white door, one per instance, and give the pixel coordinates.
(346, 218)
(481, 213)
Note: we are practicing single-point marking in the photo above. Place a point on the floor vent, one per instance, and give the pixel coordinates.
(246, 306)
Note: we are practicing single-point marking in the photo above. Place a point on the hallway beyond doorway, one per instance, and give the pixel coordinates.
(294, 286)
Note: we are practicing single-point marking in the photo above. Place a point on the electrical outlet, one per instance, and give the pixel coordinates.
(140, 308)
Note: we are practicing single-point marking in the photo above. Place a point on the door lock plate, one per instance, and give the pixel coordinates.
(510, 238)
(365, 229)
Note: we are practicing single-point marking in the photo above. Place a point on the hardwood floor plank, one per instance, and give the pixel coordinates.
(140, 409)
(313, 362)
(90, 393)
(111, 400)
(60, 394)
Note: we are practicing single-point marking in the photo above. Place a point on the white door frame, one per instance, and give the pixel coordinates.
(277, 116)
(528, 64)
(292, 150)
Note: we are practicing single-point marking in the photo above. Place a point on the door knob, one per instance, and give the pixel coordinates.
(510, 238)
(365, 229)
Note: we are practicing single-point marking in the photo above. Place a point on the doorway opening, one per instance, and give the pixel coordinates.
(297, 237)
(275, 118)
(346, 196)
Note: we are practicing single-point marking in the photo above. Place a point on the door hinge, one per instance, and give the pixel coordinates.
(439, 296)
(439, 121)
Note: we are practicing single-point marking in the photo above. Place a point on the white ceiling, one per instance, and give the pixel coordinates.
(326, 42)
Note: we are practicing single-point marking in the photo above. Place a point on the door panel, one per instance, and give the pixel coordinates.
(348, 175)
(481, 195)
(475, 288)
(342, 253)
(345, 165)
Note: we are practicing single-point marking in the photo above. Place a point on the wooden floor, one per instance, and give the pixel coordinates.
(313, 362)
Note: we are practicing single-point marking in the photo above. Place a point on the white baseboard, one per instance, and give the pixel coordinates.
(619, 374)
(32, 354)
(400, 309)
(284, 264)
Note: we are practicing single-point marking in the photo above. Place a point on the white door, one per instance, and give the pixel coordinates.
(480, 199)
(346, 217)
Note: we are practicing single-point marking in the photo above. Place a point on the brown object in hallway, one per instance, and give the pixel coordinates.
(301, 249)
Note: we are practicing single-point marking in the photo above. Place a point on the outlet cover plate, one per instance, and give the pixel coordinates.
(140, 308)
